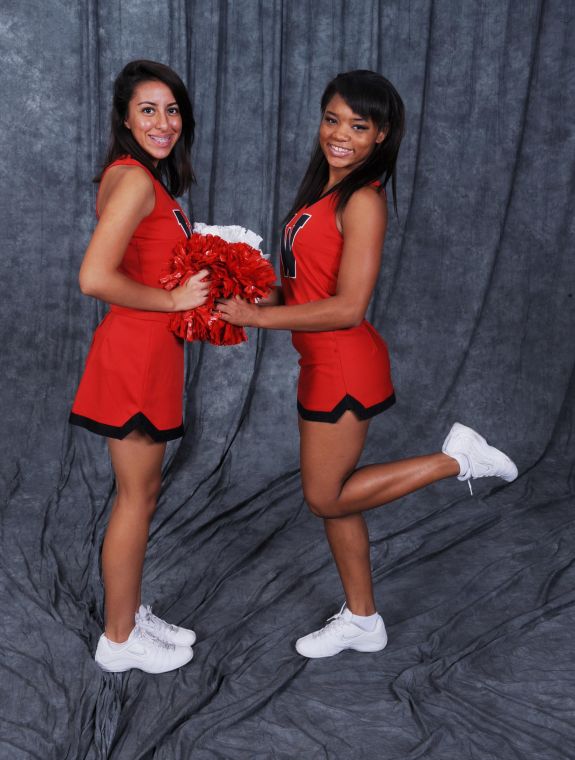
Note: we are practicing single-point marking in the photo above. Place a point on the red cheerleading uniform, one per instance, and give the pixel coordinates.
(340, 369)
(134, 372)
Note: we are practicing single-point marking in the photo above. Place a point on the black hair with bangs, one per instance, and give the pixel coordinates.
(371, 96)
(174, 172)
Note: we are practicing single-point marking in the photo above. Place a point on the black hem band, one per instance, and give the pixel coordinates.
(138, 421)
(347, 403)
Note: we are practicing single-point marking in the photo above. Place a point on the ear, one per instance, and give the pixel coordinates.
(381, 135)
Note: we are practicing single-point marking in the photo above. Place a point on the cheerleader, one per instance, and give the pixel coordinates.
(330, 256)
(131, 388)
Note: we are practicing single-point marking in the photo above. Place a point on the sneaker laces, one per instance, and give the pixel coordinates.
(332, 624)
(155, 621)
(142, 633)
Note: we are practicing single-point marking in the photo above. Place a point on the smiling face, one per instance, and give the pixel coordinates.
(346, 138)
(154, 119)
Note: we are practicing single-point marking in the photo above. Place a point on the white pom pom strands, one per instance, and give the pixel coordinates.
(231, 233)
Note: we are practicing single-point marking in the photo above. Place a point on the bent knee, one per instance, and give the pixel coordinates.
(321, 505)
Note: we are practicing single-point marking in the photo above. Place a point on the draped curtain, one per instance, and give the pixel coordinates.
(475, 300)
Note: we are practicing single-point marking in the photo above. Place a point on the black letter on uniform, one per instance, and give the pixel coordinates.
(288, 259)
(183, 222)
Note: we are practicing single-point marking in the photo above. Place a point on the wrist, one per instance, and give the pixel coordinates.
(172, 304)
(258, 316)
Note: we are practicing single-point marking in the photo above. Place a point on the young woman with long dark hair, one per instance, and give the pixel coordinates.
(131, 389)
(331, 253)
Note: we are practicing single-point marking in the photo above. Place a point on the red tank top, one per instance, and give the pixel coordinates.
(311, 248)
(151, 245)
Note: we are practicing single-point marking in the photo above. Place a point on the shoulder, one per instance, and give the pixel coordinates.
(366, 207)
(368, 199)
(127, 175)
(126, 184)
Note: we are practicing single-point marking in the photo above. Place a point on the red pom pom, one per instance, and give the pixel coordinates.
(236, 269)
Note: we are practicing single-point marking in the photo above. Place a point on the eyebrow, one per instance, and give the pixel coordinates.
(151, 103)
(355, 118)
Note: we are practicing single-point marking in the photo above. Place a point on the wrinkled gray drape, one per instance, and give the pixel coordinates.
(476, 302)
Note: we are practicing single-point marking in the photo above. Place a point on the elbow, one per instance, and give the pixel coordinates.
(357, 319)
(88, 285)
(348, 313)
(353, 318)
(94, 282)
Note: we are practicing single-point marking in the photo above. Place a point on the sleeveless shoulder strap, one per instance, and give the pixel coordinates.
(128, 161)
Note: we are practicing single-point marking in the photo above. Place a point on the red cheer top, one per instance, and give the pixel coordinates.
(133, 377)
(340, 369)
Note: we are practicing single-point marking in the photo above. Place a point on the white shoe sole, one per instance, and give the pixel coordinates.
(126, 665)
(367, 646)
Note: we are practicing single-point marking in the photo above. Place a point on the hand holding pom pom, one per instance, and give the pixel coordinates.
(236, 270)
(193, 292)
(238, 312)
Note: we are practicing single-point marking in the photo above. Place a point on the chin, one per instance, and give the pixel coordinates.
(338, 163)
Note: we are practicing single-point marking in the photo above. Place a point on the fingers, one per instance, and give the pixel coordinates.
(225, 309)
(202, 286)
(224, 312)
(199, 276)
(236, 299)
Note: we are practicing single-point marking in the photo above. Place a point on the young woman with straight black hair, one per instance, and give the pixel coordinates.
(132, 385)
(331, 253)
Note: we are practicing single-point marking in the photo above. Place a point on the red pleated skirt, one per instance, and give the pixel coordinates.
(133, 378)
(343, 370)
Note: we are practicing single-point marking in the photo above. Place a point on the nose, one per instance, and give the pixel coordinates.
(161, 120)
(341, 133)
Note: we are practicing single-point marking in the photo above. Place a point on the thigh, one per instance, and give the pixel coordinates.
(137, 463)
(329, 453)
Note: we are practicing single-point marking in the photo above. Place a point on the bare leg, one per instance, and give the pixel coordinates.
(336, 491)
(334, 488)
(137, 463)
(349, 544)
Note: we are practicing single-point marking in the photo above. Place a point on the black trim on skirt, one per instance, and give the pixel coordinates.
(138, 421)
(347, 403)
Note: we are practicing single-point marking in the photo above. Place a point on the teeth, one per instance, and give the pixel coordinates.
(160, 140)
(341, 151)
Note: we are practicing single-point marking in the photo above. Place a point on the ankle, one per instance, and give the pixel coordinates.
(118, 635)
(366, 622)
(455, 463)
(362, 609)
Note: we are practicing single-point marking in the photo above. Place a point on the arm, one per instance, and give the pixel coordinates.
(275, 298)
(127, 197)
(364, 222)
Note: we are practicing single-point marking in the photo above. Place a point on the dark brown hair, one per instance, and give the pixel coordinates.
(371, 96)
(175, 172)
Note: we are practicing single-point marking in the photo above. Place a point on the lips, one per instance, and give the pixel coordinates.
(339, 151)
(161, 142)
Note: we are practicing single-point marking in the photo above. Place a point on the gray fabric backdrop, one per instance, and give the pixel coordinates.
(476, 301)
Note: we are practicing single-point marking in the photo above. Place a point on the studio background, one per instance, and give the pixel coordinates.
(475, 300)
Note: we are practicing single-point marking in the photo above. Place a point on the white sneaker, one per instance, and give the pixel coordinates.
(476, 458)
(341, 633)
(142, 651)
(173, 634)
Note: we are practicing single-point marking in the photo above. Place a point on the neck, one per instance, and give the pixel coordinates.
(335, 176)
